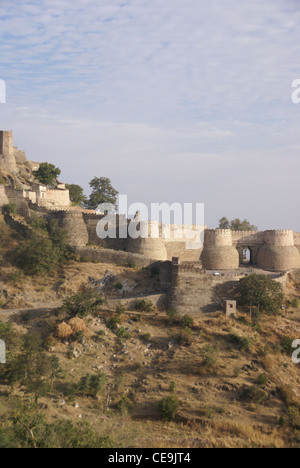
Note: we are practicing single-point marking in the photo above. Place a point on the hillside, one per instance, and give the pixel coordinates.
(234, 379)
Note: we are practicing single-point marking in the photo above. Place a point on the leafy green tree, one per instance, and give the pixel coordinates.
(47, 173)
(224, 223)
(102, 192)
(25, 426)
(83, 303)
(261, 291)
(10, 208)
(43, 249)
(90, 385)
(236, 225)
(169, 407)
(32, 368)
(77, 196)
(37, 256)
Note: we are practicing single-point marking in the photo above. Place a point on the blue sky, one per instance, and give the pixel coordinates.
(174, 101)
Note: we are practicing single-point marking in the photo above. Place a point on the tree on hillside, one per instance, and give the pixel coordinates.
(261, 291)
(77, 196)
(33, 369)
(224, 223)
(47, 173)
(102, 192)
(236, 225)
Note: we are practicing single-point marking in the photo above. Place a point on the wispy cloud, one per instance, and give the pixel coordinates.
(171, 98)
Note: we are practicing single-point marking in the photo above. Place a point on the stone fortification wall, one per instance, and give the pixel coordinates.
(7, 158)
(218, 252)
(115, 257)
(3, 197)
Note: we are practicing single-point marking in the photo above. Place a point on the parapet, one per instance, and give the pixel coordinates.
(279, 237)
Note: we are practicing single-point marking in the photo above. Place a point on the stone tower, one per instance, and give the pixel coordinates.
(7, 158)
(218, 252)
(279, 252)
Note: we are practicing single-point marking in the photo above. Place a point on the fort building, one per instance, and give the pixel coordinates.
(221, 249)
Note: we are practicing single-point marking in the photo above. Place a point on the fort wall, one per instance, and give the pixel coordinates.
(7, 158)
(99, 255)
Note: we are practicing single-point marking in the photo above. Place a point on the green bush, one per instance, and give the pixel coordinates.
(241, 342)
(210, 356)
(187, 321)
(10, 209)
(146, 337)
(253, 394)
(169, 407)
(16, 277)
(37, 256)
(172, 316)
(185, 337)
(261, 291)
(122, 333)
(120, 309)
(144, 305)
(83, 303)
(90, 385)
(119, 286)
(293, 414)
(262, 380)
(124, 404)
(112, 322)
(286, 345)
(137, 318)
(294, 303)
(172, 386)
(77, 336)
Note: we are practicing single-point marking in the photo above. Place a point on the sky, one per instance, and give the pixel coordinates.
(175, 101)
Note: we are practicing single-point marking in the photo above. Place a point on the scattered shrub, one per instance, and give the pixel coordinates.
(210, 356)
(262, 380)
(169, 407)
(187, 321)
(120, 309)
(172, 386)
(146, 337)
(83, 303)
(172, 316)
(112, 322)
(253, 394)
(242, 343)
(144, 305)
(119, 286)
(90, 385)
(293, 414)
(294, 303)
(10, 209)
(137, 318)
(122, 333)
(185, 337)
(124, 404)
(286, 344)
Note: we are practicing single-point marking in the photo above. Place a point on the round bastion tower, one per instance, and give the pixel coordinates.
(278, 252)
(73, 223)
(149, 244)
(218, 252)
